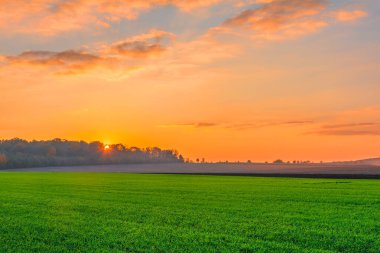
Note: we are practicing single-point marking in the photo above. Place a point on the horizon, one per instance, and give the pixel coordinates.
(111, 146)
(222, 80)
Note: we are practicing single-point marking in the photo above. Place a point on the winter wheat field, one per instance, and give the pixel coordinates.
(119, 212)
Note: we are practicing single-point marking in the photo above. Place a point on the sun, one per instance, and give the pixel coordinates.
(106, 147)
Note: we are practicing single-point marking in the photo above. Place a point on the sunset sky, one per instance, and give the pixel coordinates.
(219, 79)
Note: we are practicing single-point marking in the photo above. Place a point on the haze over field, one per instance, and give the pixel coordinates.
(220, 79)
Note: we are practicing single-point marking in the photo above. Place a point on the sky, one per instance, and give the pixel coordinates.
(215, 79)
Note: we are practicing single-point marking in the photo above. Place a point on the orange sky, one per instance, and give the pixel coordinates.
(219, 79)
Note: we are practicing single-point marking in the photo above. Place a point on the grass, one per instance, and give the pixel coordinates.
(90, 212)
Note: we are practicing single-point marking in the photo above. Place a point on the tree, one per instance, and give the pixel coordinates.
(17, 153)
(51, 151)
(3, 160)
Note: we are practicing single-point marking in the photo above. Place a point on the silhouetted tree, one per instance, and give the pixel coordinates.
(17, 153)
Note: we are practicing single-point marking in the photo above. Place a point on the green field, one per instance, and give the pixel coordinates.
(93, 212)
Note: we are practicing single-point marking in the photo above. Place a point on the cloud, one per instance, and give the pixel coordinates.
(45, 17)
(356, 122)
(344, 132)
(267, 19)
(281, 19)
(52, 17)
(47, 57)
(318, 127)
(149, 44)
(190, 5)
(118, 55)
(174, 58)
(155, 52)
(191, 125)
(350, 125)
(349, 16)
(3, 59)
(65, 62)
(274, 14)
(130, 9)
(265, 124)
(240, 125)
(355, 129)
(277, 20)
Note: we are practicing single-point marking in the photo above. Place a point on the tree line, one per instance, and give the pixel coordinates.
(18, 153)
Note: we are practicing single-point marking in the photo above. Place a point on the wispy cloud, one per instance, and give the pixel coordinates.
(269, 19)
(64, 62)
(266, 124)
(350, 125)
(355, 122)
(145, 45)
(349, 15)
(47, 57)
(114, 56)
(275, 20)
(51, 17)
(190, 125)
(154, 51)
(317, 128)
(354, 129)
(281, 19)
(240, 125)
(157, 49)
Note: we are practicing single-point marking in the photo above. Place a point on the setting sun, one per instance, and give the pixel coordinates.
(106, 147)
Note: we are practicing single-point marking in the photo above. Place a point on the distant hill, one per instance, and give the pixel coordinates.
(369, 161)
